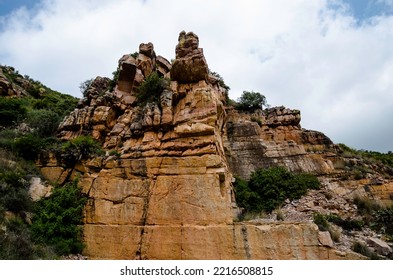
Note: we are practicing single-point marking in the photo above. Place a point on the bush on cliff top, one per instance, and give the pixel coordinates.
(250, 101)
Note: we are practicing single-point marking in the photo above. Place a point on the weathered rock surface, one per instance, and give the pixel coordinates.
(227, 242)
(380, 246)
(190, 65)
(272, 138)
(164, 188)
(11, 82)
(325, 239)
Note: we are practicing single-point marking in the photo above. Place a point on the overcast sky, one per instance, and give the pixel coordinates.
(332, 59)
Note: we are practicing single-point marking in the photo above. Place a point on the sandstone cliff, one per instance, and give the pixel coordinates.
(164, 189)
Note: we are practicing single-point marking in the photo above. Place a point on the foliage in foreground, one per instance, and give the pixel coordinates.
(58, 218)
(28, 125)
(267, 189)
(15, 237)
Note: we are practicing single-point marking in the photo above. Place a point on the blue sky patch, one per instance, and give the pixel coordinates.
(363, 10)
(8, 6)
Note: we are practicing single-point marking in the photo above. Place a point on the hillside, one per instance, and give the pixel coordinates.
(29, 116)
(170, 168)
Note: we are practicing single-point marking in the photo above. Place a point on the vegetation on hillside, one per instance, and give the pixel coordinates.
(28, 124)
(58, 218)
(384, 158)
(267, 189)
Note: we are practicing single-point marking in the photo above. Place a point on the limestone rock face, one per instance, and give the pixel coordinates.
(224, 242)
(281, 116)
(274, 137)
(164, 189)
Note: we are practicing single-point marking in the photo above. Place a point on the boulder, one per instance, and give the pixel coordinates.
(163, 65)
(381, 247)
(190, 65)
(325, 239)
(38, 190)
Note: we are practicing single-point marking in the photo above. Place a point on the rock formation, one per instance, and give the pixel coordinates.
(7, 86)
(274, 137)
(164, 189)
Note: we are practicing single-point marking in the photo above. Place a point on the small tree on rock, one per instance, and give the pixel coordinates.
(251, 101)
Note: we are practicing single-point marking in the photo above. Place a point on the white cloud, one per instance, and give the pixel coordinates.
(299, 53)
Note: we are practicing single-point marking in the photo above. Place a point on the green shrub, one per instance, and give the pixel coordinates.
(346, 224)
(80, 148)
(383, 221)
(28, 146)
(58, 218)
(245, 197)
(250, 101)
(151, 88)
(7, 138)
(14, 191)
(384, 158)
(328, 195)
(34, 90)
(268, 188)
(12, 111)
(321, 221)
(280, 215)
(15, 241)
(45, 122)
(61, 104)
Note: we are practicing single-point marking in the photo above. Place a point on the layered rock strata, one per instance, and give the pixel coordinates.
(274, 137)
(164, 189)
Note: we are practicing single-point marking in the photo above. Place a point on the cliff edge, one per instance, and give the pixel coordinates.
(164, 188)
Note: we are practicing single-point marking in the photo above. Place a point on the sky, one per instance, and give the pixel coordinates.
(331, 59)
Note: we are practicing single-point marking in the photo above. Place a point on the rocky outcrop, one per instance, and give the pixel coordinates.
(190, 65)
(12, 84)
(170, 175)
(164, 188)
(274, 137)
(5, 85)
